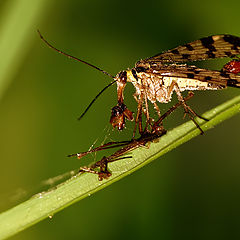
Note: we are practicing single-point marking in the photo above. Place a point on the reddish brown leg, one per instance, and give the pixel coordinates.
(105, 146)
(103, 172)
(187, 108)
(170, 110)
(146, 112)
(157, 109)
(138, 119)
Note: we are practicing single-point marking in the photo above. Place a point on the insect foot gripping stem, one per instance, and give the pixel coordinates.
(119, 113)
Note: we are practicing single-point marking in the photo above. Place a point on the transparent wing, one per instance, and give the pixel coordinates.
(217, 46)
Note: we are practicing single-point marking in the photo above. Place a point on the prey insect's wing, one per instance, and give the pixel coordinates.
(216, 46)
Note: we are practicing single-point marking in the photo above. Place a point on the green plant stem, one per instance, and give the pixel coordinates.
(46, 204)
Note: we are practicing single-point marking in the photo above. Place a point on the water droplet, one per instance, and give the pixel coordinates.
(40, 195)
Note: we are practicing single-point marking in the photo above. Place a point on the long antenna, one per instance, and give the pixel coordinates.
(91, 103)
(89, 64)
(72, 57)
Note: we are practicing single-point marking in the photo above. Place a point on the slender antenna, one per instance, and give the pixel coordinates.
(91, 103)
(89, 64)
(72, 57)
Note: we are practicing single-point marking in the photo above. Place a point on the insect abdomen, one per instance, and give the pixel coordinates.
(190, 84)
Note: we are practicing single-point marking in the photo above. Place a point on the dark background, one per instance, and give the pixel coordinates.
(190, 193)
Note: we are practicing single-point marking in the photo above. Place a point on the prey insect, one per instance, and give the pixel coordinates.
(157, 78)
(101, 167)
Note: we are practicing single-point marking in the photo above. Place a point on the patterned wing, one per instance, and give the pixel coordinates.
(217, 46)
(218, 79)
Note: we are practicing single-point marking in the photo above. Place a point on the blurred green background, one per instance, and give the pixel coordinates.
(191, 193)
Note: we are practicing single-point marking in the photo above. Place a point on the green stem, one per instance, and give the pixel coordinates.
(46, 204)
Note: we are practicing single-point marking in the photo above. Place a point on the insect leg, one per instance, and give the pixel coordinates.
(187, 108)
(170, 110)
(159, 124)
(101, 167)
(157, 109)
(105, 146)
(103, 172)
(138, 119)
(146, 113)
(143, 109)
(136, 99)
(148, 120)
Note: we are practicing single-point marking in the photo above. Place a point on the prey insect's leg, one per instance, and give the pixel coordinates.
(105, 146)
(103, 172)
(88, 169)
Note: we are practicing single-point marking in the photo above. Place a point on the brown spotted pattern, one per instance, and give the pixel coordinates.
(216, 46)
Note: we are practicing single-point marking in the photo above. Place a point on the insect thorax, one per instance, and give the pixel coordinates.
(159, 87)
(149, 84)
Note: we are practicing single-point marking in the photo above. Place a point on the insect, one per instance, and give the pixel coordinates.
(157, 78)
